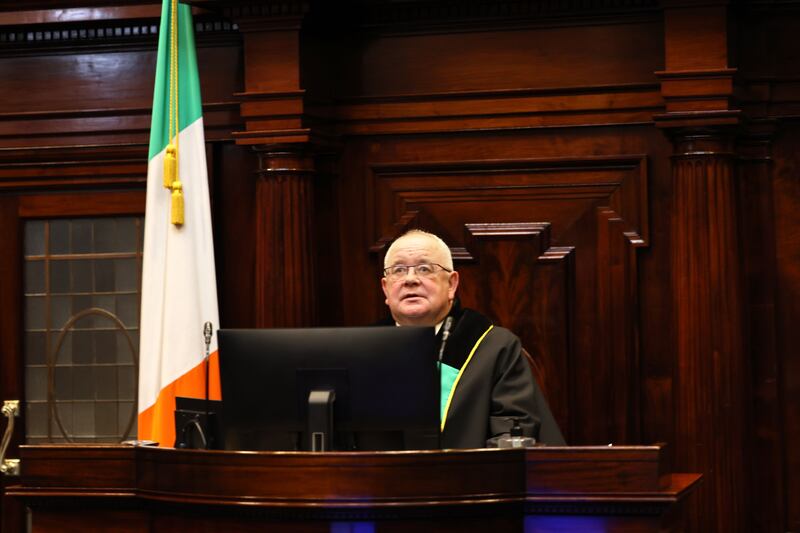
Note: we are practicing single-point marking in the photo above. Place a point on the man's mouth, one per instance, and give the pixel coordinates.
(407, 296)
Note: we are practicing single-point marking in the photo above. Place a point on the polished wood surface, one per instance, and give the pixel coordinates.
(654, 283)
(708, 280)
(469, 490)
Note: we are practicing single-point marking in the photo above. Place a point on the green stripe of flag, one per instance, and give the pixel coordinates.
(190, 105)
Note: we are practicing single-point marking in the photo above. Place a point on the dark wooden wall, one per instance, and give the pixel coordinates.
(619, 182)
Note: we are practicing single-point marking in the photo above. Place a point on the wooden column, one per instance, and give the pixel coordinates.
(711, 396)
(284, 266)
(708, 303)
(273, 109)
(12, 512)
(757, 229)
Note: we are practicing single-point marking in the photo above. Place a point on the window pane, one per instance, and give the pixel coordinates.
(36, 383)
(128, 309)
(105, 421)
(62, 382)
(34, 277)
(105, 383)
(68, 274)
(61, 347)
(81, 236)
(34, 237)
(126, 274)
(59, 236)
(83, 413)
(82, 347)
(59, 276)
(35, 348)
(82, 276)
(105, 346)
(34, 312)
(104, 275)
(36, 419)
(60, 311)
(128, 234)
(106, 237)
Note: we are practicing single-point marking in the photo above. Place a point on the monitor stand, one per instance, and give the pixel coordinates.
(197, 423)
(320, 420)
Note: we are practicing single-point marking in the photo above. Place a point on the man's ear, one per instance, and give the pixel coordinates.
(385, 287)
(451, 291)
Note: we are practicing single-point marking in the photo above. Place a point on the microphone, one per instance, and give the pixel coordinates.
(448, 323)
(208, 330)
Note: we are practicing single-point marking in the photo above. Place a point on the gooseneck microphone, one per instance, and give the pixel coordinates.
(208, 331)
(448, 323)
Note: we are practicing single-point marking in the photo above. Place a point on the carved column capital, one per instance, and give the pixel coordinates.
(703, 142)
(280, 160)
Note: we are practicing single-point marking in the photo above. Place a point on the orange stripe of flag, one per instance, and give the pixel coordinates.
(157, 422)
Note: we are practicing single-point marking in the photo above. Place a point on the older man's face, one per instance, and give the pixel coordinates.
(416, 300)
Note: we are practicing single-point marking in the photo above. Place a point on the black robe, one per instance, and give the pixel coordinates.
(494, 386)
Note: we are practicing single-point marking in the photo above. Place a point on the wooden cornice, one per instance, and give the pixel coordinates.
(26, 5)
(394, 13)
(134, 29)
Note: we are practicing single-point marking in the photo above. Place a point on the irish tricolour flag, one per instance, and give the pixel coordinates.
(179, 292)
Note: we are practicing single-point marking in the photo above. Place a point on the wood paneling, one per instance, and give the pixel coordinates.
(594, 209)
(787, 239)
(233, 209)
(93, 81)
(536, 137)
(412, 62)
(757, 231)
(12, 374)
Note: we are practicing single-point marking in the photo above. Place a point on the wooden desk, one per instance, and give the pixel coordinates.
(124, 489)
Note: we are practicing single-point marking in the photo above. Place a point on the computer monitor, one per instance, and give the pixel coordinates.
(383, 382)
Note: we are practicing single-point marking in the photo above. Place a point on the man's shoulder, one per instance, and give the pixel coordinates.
(479, 321)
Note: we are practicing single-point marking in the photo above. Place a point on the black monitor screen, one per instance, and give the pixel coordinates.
(384, 382)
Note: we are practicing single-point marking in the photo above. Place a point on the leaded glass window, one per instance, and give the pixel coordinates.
(82, 293)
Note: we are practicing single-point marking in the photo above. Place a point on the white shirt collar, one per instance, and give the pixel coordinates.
(438, 326)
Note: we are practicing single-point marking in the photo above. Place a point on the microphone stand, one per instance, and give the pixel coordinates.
(208, 330)
(448, 323)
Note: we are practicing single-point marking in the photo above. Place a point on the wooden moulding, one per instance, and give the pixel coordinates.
(84, 488)
(351, 479)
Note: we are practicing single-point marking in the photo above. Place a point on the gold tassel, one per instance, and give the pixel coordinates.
(170, 166)
(177, 203)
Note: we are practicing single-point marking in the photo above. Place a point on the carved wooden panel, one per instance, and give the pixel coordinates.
(515, 277)
(88, 82)
(548, 249)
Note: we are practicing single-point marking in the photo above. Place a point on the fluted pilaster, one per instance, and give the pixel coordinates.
(708, 304)
(284, 269)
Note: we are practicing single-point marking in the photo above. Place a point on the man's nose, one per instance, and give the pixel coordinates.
(411, 276)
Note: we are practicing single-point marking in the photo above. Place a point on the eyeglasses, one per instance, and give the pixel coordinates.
(422, 270)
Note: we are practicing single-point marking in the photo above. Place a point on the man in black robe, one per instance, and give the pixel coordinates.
(486, 381)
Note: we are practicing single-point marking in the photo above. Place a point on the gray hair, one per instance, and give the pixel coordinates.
(438, 244)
